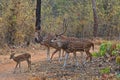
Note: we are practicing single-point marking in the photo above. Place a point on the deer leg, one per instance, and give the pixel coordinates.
(66, 57)
(15, 67)
(53, 53)
(75, 57)
(20, 66)
(63, 53)
(29, 64)
(90, 56)
(48, 53)
(60, 56)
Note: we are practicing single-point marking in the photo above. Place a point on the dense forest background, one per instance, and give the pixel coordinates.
(17, 19)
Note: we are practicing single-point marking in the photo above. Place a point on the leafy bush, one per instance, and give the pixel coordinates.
(106, 47)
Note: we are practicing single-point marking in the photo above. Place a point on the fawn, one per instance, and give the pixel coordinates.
(23, 57)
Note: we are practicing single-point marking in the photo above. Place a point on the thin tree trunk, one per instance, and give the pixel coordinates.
(38, 21)
(38, 15)
(95, 28)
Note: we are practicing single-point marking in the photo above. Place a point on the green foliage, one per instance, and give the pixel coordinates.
(105, 70)
(106, 48)
(103, 48)
(118, 60)
(118, 47)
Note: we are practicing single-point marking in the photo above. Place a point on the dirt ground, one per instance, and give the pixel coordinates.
(44, 70)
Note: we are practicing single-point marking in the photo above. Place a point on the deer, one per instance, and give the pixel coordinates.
(63, 37)
(20, 58)
(72, 45)
(46, 41)
(71, 39)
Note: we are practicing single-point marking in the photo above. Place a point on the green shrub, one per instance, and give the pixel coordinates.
(106, 48)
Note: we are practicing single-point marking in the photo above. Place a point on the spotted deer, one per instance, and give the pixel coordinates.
(72, 45)
(18, 59)
(71, 39)
(46, 41)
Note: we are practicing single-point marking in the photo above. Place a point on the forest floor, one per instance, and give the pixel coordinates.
(44, 70)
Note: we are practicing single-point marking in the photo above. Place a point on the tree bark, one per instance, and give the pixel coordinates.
(38, 15)
(95, 28)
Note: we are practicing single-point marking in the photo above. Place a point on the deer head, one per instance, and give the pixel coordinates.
(12, 55)
(58, 37)
(47, 38)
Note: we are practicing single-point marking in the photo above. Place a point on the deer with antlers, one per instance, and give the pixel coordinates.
(18, 59)
(72, 45)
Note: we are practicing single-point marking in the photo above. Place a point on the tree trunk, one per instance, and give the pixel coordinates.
(95, 28)
(38, 15)
(38, 22)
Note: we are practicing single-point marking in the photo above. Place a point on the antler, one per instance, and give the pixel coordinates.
(64, 26)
